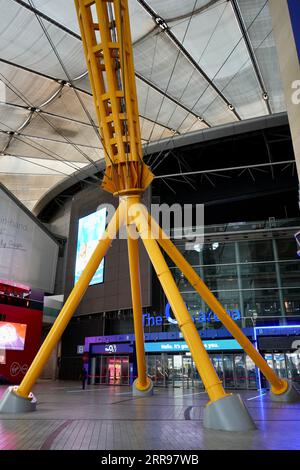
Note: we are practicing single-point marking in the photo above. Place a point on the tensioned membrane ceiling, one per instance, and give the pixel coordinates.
(199, 64)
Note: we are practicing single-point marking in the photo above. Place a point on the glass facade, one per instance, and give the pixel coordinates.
(253, 269)
(179, 370)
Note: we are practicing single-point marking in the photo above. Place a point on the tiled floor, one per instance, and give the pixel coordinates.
(109, 418)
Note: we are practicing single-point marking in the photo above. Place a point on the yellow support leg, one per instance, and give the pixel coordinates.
(70, 306)
(142, 382)
(279, 386)
(210, 379)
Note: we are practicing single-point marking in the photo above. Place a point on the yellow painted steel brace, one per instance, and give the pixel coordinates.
(106, 37)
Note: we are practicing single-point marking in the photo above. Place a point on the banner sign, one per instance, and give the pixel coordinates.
(116, 348)
(175, 346)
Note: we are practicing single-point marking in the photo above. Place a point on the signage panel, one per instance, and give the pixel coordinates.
(181, 346)
(199, 317)
(117, 348)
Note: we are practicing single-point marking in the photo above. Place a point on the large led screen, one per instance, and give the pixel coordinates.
(90, 229)
(12, 336)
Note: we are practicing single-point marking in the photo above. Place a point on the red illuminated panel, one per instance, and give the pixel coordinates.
(12, 336)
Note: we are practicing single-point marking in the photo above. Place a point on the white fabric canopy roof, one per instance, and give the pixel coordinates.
(199, 64)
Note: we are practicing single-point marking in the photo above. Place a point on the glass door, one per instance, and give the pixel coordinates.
(187, 372)
(251, 373)
(160, 370)
(269, 360)
(125, 370)
(177, 370)
(218, 365)
(240, 371)
(229, 381)
(280, 365)
(114, 370)
(110, 371)
(293, 363)
(169, 371)
(151, 367)
(197, 381)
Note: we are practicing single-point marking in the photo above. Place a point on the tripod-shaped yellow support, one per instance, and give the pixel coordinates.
(107, 45)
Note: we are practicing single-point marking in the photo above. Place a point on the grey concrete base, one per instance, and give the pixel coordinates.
(290, 396)
(228, 414)
(13, 403)
(142, 393)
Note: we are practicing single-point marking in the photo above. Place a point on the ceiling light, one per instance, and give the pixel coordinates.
(265, 96)
(231, 107)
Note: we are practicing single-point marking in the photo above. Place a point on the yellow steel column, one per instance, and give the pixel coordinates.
(279, 386)
(71, 304)
(212, 383)
(143, 382)
(106, 38)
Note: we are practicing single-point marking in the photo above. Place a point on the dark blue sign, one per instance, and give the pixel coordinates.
(199, 317)
(116, 348)
(294, 8)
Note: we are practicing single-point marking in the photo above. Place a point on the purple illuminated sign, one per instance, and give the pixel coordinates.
(115, 348)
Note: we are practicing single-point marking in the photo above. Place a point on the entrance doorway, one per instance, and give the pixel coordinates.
(237, 371)
(110, 370)
(286, 365)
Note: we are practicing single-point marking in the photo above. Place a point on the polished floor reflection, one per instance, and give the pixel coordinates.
(105, 417)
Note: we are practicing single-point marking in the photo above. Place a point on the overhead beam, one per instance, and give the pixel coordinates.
(219, 132)
(218, 170)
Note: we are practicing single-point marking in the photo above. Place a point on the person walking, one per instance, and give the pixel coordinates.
(83, 377)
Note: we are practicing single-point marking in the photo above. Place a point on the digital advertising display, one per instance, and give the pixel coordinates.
(12, 336)
(90, 229)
